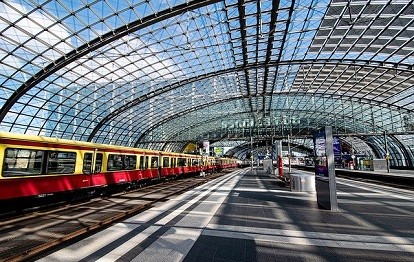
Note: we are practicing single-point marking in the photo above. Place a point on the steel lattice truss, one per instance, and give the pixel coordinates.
(159, 73)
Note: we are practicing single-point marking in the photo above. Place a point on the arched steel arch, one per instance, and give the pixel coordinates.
(243, 148)
(244, 66)
(404, 150)
(365, 63)
(206, 105)
(97, 43)
(194, 109)
(179, 114)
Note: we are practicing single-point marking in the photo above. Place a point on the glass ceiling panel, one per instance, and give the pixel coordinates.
(125, 72)
(291, 113)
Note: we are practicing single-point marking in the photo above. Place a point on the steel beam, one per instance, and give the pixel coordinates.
(99, 42)
(242, 21)
(241, 68)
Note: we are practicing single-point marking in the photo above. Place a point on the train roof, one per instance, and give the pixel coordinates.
(50, 141)
(4, 136)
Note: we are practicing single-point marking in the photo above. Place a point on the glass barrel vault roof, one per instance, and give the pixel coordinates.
(145, 73)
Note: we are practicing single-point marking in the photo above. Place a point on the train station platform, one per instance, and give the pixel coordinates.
(247, 215)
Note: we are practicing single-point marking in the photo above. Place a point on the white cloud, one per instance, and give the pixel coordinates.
(130, 60)
(32, 26)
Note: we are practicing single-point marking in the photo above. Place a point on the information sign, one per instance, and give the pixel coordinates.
(321, 169)
(325, 181)
(337, 146)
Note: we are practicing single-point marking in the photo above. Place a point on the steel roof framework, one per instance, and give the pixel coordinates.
(145, 72)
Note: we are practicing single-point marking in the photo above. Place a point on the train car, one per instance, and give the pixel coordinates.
(34, 166)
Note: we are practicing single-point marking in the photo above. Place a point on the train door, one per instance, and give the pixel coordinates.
(92, 162)
(92, 165)
(174, 166)
(154, 167)
(159, 166)
(166, 165)
(143, 166)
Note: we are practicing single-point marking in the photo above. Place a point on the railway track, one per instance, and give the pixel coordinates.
(29, 235)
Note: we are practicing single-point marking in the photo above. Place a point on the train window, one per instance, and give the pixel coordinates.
(87, 162)
(194, 162)
(130, 162)
(21, 162)
(154, 162)
(121, 162)
(165, 162)
(182, 161)
(61, 162)
(114, 162)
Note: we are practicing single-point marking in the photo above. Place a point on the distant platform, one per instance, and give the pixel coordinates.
(393, 172)
(250, 216)
(397, 178)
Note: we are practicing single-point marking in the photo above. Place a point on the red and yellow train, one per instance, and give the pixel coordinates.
(33, 166)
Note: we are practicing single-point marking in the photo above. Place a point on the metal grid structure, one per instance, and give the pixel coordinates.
(158, 74)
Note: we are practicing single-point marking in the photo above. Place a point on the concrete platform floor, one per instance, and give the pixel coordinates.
(248, 216)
